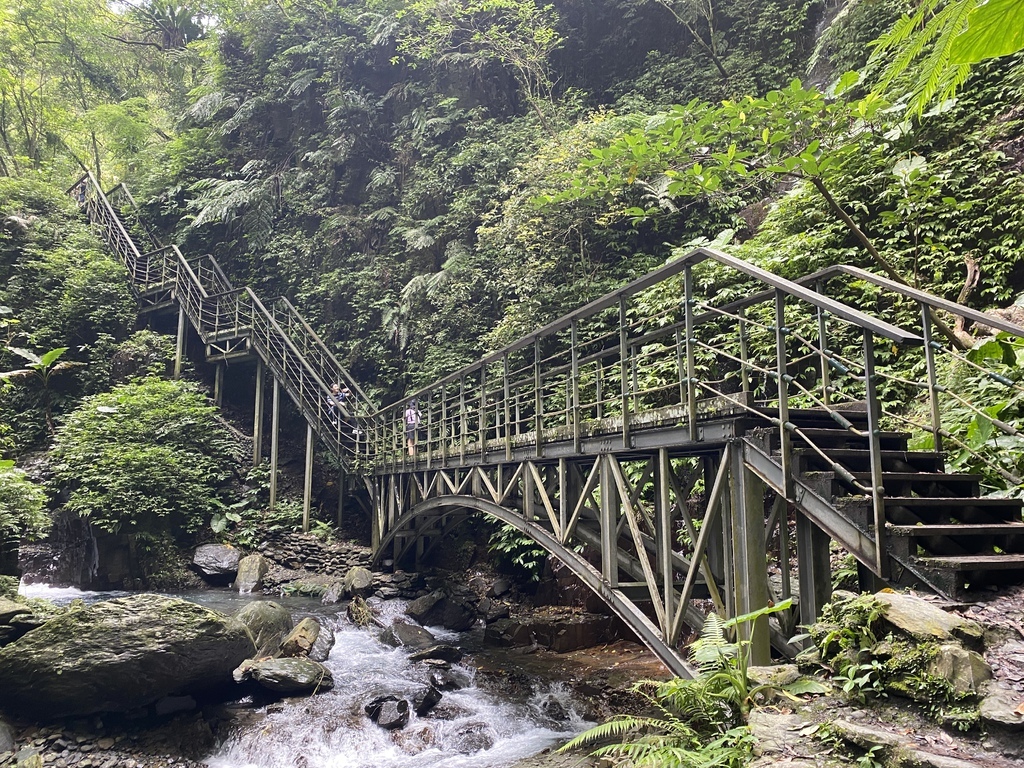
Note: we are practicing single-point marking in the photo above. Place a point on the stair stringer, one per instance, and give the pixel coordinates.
(830, 518)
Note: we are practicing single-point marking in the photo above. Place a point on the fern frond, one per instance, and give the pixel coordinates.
(614, 728)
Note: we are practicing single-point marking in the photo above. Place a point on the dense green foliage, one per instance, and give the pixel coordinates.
(22, 506)
(430, 179)
(148, 456)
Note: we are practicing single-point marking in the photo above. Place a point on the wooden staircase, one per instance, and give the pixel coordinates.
(940, 531)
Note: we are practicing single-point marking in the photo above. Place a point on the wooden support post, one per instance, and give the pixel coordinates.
(218, 384)
(609, 529)
(341, 497)
(377, 504)
(874, 409)
(624, 360)
(257, 419)
(563, 490)
(749, 547)
(529, 494)
(275, 423)
(815, 570)
(307, 480)
(179, 344)
(716, 553)
(663, 532)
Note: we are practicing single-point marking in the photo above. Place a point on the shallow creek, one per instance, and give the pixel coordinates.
(477, 726)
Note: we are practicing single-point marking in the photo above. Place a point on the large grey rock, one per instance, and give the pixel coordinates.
(251, 570)
(322, 646)
(426, 700)
(439, 610)
(358, 581)
(300, 640)
(120, 655)
(408, 635)
(291, 675)
(389, 712)
(965, 670)
(925, 621)
(269, 623)
(1002, 705)
(217, 559)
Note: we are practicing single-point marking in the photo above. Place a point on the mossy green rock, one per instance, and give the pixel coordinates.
(118, 656)
(927, 622)
(8, 586)
(269, 623)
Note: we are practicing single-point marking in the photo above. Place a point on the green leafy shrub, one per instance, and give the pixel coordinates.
(22, 505)
(518, 552)
(149, 456)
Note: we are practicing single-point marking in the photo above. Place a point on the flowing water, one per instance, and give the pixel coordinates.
(473, 727)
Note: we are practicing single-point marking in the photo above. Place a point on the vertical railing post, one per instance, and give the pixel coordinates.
(933, 388)
(430, 429)
(875, 449)
(507, 406)
(624, 366)
(463, 425)
(826, 371)
(482, 421)
(744, 353)
(574, 391)
(445, 431)
(691, 352)
(538, 400)
(782, 378)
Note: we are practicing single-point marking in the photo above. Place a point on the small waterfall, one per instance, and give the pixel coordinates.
(470, 728)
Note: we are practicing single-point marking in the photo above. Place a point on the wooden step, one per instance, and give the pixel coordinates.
(828, 439)
(940, 510)
(952, 540)
(976, 529)
(859, 460)
(930, 484)
(1009, 562)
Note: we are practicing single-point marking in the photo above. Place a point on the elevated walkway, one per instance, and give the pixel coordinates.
(642, 442)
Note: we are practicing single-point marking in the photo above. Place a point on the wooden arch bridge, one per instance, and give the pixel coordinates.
(642, 442)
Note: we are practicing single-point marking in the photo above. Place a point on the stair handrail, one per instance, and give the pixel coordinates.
(325, 352)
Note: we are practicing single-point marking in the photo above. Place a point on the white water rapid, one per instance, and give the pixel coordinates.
(470, 728)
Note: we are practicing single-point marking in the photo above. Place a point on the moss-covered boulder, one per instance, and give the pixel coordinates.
(119, 655)
(927, 622)
(269, 623)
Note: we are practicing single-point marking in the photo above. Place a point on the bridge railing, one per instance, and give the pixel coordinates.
(664, 351)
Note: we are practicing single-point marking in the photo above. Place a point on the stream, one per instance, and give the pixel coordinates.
(475, 726)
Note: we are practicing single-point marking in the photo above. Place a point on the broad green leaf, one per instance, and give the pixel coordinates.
(50, 357)
(994, 29)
